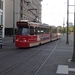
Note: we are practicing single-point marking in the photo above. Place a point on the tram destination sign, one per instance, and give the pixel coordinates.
(22, 24)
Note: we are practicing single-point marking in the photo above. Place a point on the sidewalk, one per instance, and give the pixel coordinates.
(58, 63)
(7, 43)
(60, 58)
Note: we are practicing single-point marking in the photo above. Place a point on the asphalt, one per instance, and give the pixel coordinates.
(59, 63)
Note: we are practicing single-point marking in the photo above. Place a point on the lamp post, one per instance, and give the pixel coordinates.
(1, 27)
(67, 41)
(73, 57)
(63, 25)
(13, 20)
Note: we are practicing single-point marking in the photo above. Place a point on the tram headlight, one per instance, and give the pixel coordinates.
(24, 40)
(16, 39)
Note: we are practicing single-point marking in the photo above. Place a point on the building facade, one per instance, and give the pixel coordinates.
(21, 10)
(30, 10)
(11, 15)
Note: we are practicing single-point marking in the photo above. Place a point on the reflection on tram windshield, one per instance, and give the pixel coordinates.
(23, 31)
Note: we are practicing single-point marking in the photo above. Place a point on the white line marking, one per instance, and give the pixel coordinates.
(62, 69)
(71, 69)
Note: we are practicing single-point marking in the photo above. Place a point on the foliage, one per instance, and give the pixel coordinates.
(71, 29)
(64, 29)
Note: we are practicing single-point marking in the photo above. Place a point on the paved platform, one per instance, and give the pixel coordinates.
(59, 63)
(7, 43)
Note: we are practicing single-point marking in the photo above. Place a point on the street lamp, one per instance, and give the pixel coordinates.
(73, 57)
(63, 26)
(13, 20)
(67, 41)
(1, 27)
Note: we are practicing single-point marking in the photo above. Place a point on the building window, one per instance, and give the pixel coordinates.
(21, 15)
(21, 0)
(1, 19)
(1, 4)
(21, 8)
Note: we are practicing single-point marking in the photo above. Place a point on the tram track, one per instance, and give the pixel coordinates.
(10, 54)
(37, 70)
(35, 73)
(7, 53)
(13, 66)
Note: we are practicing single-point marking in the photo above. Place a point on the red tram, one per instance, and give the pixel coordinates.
(32, 34)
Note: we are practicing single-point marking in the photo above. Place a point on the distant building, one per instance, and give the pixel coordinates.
(23, 10)
(70, 24)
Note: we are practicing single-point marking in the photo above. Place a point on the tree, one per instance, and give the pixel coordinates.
(60, 29)
(71, 29)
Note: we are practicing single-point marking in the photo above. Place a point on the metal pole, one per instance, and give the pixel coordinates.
(67, 41)
(13, 20)
(73, 57)
(63, 26)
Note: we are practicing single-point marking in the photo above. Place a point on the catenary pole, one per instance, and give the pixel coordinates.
(67, 39)
(73, 57)
(13, 20)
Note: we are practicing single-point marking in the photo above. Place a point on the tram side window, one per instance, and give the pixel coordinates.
(31, 30)
(54, 30)
(38, 30)
(42, 30)
(47, 30)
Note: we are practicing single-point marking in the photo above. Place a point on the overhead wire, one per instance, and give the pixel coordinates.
(30, 6)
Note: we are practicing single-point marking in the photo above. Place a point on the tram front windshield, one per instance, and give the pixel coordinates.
(22, 31)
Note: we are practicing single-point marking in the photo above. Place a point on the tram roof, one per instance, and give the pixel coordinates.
(35, 23)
